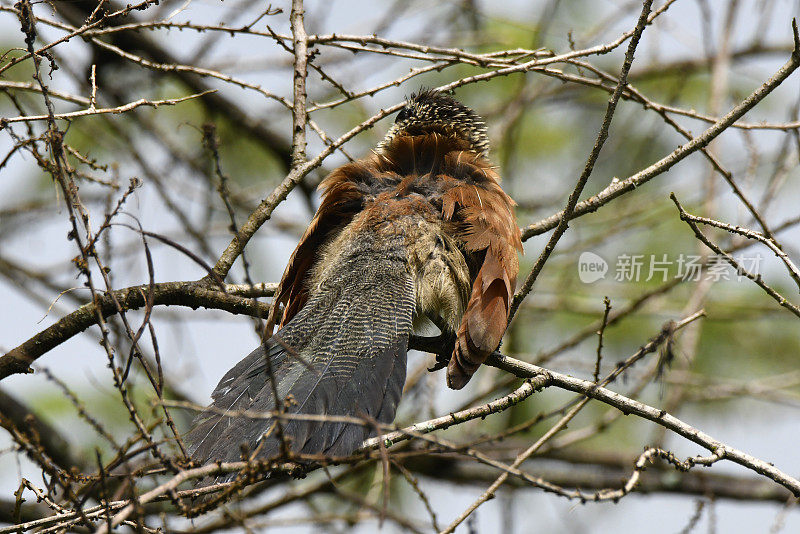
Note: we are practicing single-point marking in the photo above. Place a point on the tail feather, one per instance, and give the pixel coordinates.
(343, 354)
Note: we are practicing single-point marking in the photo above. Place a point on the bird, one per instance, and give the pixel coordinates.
(418, 231)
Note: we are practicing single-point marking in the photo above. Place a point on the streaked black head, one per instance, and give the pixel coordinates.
(429, 111)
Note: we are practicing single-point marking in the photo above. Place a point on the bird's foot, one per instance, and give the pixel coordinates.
(442, 347)
(441, 362)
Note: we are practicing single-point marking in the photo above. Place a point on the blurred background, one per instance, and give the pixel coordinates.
(733, 374)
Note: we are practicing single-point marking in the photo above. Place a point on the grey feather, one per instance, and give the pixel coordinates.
(353, 332)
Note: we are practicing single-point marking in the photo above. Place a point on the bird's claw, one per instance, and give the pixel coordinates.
(446, 343)
(441, 362)
(442, 346)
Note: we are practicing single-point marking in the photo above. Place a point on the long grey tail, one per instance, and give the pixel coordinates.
(343, 354)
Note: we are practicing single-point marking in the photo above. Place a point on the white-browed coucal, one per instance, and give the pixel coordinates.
(419, 229)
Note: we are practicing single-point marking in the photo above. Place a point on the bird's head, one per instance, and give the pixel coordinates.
(432, 112)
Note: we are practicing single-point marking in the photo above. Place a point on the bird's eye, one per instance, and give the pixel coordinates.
(403, 115)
